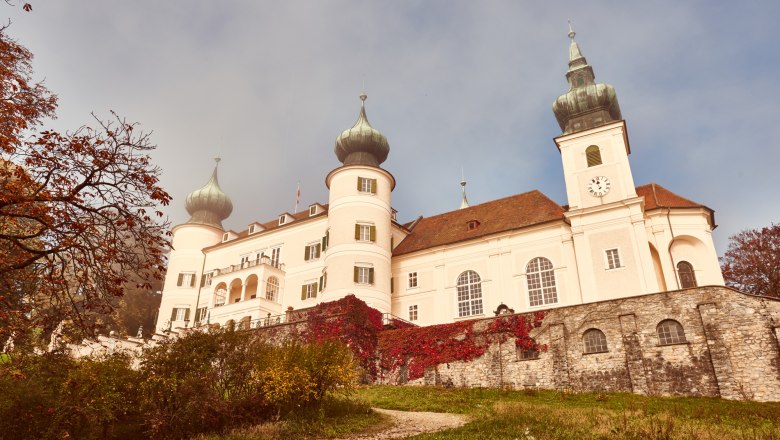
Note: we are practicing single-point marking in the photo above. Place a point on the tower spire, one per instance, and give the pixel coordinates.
(464, 203)
(209, 205)
(587, 104)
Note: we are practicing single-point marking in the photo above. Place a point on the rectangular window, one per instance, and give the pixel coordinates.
(312, 210)
(367, 185)
(413, 313)
(527, 355)
(186, 279)
(312, 251)
(364, 275)
(613, 259)
(275, 253)
(180, 314)
(309, 290)
(282, 219)
(251, 229)
(365, 232)
(412, 280)
(244, 261)
(225, 236)
(205, 280)
(200, 314)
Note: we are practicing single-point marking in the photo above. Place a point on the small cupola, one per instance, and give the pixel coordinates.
(362, 144)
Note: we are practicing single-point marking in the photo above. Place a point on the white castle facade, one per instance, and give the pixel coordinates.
(521, 253)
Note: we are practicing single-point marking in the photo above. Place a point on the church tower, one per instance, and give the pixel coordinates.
(208, 206)
(357, 258)
(606, 215)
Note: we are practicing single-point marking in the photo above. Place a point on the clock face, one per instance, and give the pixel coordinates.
(598, 186)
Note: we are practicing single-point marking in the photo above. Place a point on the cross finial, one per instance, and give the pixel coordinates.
(571, 31)
(217, 159)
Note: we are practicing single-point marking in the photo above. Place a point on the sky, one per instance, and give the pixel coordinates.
(453, 84)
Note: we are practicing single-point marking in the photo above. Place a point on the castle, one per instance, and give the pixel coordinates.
(518, 254)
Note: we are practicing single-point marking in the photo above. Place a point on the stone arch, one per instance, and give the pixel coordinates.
(235, 291)
(659, 272)
(251, 286)
(244, 323)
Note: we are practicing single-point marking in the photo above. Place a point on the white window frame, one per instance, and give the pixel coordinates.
(272, 289)
(276, 253)
(364, 274)
(365, 232)
(187, 280)
(311, 289)
(207, 277)
(225, 237)
(413, 312)
(609, 260)
(181, 312)
(469, 295)
(312, 210)
(412, 280)
(282, 219)
(314, 250)
(542, 284)
(366, 185)
(251, 229)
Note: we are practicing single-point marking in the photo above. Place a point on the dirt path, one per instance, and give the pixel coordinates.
(406, 424)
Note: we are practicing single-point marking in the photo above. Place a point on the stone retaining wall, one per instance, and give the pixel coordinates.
(731, 349)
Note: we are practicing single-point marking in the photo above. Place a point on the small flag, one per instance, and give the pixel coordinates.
(297, 197)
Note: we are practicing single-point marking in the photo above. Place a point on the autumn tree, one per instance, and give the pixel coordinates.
(752, 261)
(79, 211)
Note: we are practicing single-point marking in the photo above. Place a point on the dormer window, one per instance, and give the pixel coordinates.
(225, 237)
(282, 219)
(394, 215)
(312, 210)
(472, 225)
(251, 229)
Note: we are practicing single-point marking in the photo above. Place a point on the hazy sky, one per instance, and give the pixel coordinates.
(268, 85)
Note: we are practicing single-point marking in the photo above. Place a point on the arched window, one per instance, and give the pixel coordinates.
(220, 292)
(687, 277)
(670, 332)
(594, 155)
(469, 294)
(272, 288)
(541, 282)
(594, 341)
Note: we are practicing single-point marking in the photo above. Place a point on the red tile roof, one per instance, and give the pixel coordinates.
(515, 212)
(658, 197)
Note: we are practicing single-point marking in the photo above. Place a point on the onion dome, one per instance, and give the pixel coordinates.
(587, 104)
(209, 205)
(362, 144)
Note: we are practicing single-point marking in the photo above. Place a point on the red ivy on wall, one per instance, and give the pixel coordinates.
(420, 348)
(360, 327)
(350, 321)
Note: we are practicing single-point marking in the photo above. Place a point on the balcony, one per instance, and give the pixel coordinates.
(264, 262)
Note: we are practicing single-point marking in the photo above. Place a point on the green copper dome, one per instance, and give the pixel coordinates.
(209, 205)
(587, 104)
(362, 144)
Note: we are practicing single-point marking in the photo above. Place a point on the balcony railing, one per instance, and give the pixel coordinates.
(263, 260)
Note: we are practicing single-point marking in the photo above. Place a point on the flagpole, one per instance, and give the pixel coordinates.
(297, 197)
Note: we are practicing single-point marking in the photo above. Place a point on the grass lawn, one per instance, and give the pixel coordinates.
(526, 415)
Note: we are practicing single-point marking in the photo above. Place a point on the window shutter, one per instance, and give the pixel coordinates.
(392, 240)
(356, 274)
(192, 281)
(372, 233)
(173, 313)
(303, 291)
(306, 253)
(181, 279)
(324, 280)
(318, 251)
(373, 186)
(371, 275)
(358, 186)
(187, 314)
(319, 289)
(324, 243)
(391, 284)
(357, 232)
(202, 284)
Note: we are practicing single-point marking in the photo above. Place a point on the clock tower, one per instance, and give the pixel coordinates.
(605, 213)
